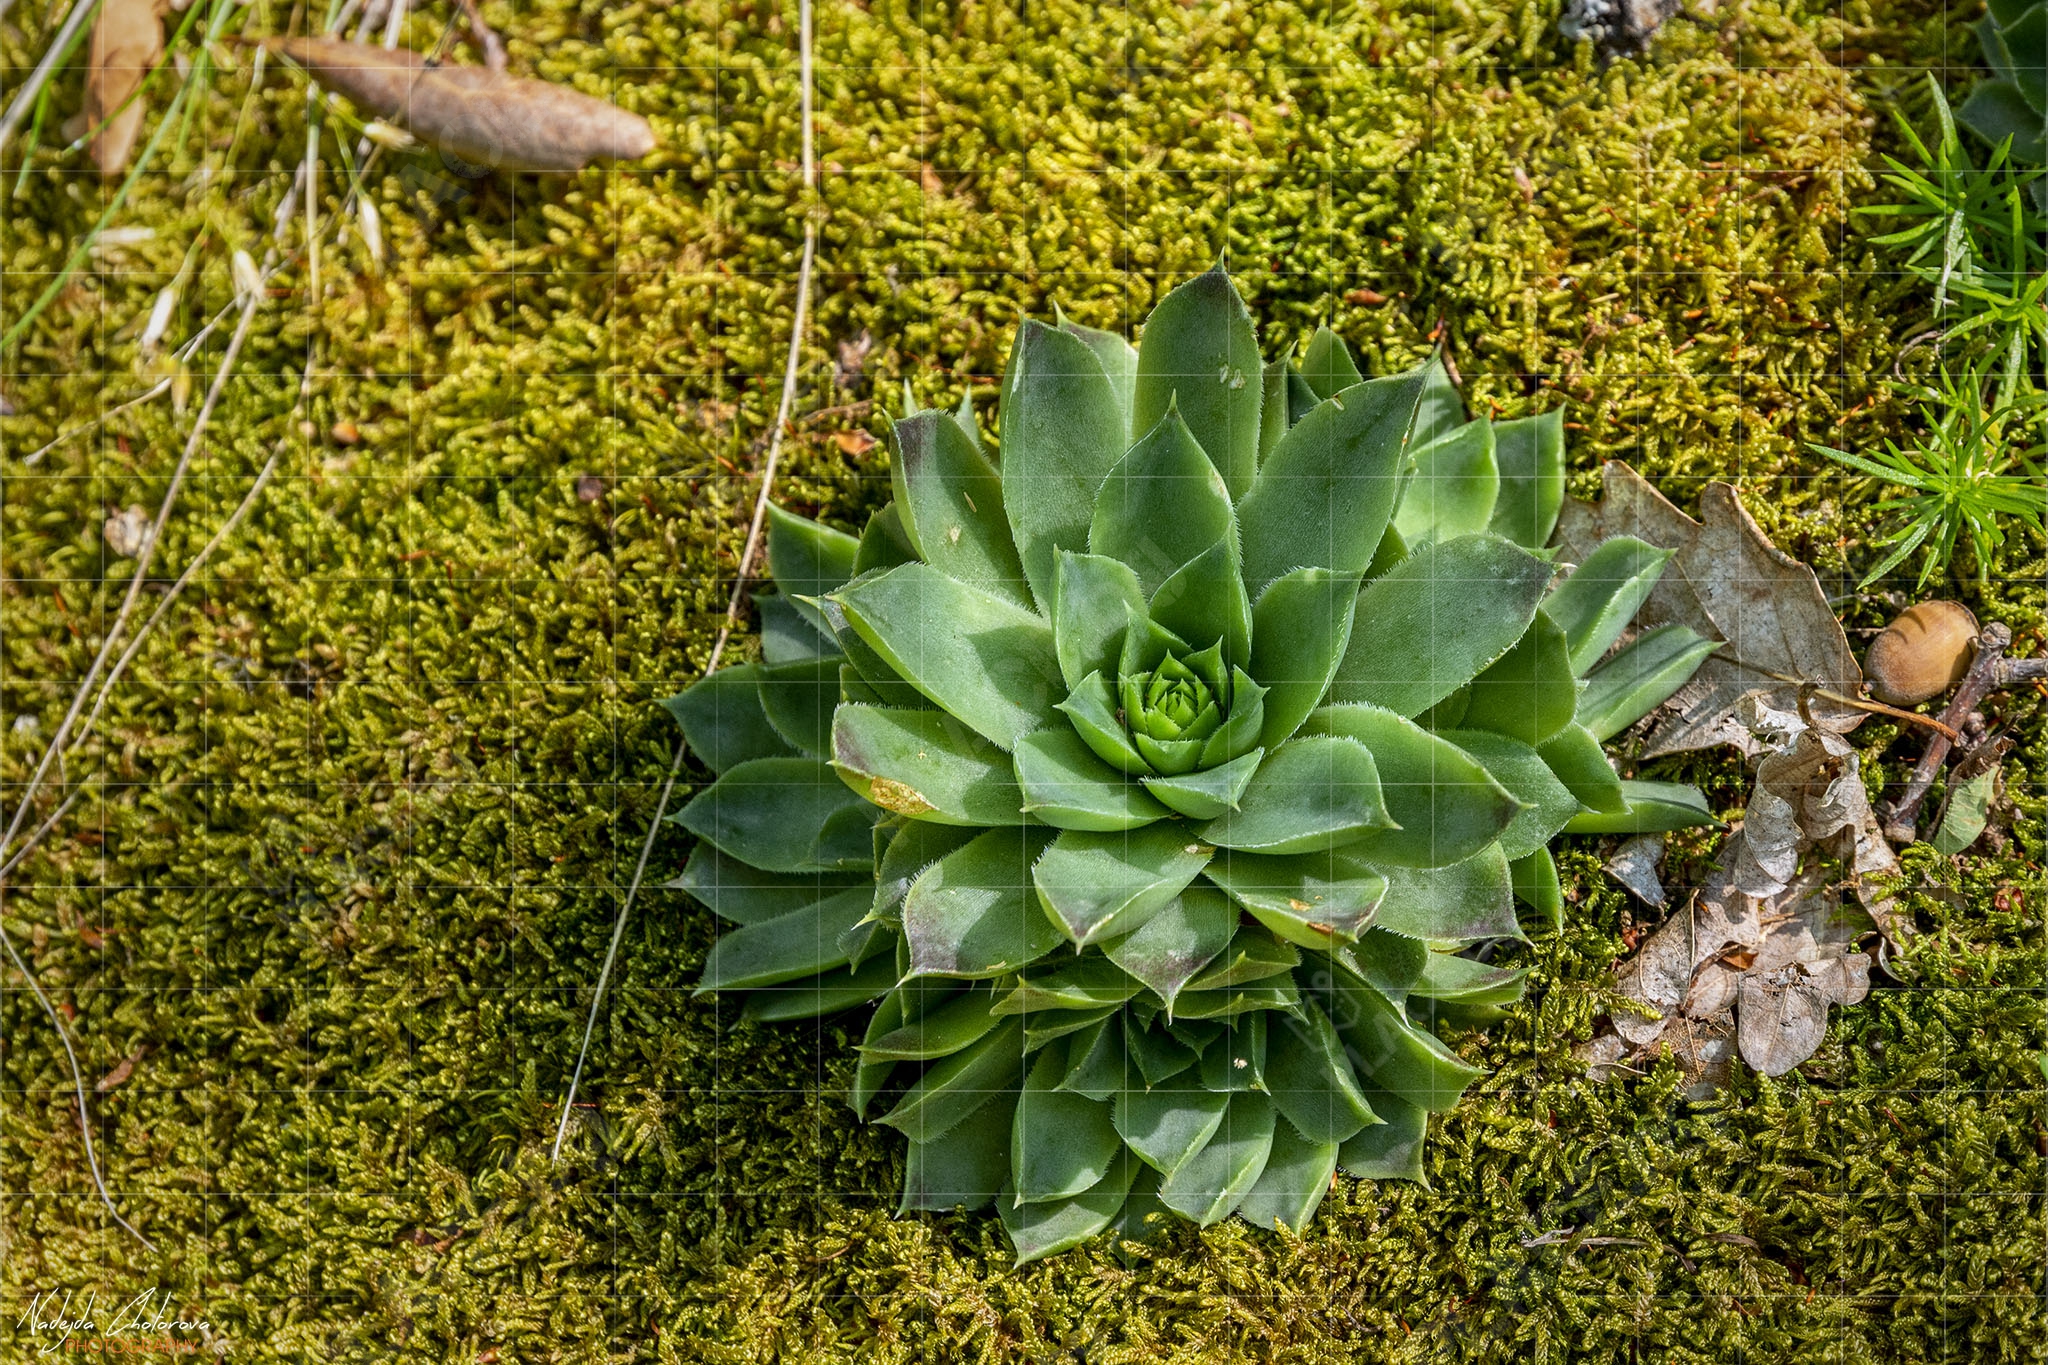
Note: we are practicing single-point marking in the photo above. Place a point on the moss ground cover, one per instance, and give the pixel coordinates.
(366, 806)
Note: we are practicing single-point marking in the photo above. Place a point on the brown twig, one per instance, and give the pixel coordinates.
(1989, 672)
(486, 39)
(1814, 689)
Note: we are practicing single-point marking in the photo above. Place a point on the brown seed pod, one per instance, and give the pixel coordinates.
(1922, 654)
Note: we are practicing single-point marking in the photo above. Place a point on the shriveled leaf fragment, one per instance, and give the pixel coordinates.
(479, 115)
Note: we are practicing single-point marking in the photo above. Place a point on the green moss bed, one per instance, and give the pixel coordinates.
(362, 814)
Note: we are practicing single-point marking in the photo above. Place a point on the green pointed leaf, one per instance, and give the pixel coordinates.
(722, 719)
(1310, 793)
(1581, 764)
(910, 850)
(1065, 785)
(1966, 812)
(1203, 602)
(1055, 1225)
(876, 675)
(801, 943)
(1310, 1079)
(1445, 806)
(1098, 886)
(1252, 955)
(1324, 496)
(1328, 367)
(1240, 731)
(1098, 1065)
(950, 501)
(870, 1074)
(985, 660)
(1157, 1054)
(1996, 110)
(883, 543)
(1176, 943)
(1314, 899)
(959, 1023)
(827, 993)
(1076, 983)
(1391, 1150)
(1454, 488)
(1391, 962)
(1166, 1127)
(1640, 677)
(1594, 606)
(783, 815)
(1063, 428)
(798, 700)
(1652, 808)
(1273, 415)
(1119, 361)
(965, 1168)
(1433, 622)
(1393, 1055)
(807, 559)
(960, 1084)
(1209, 793)
(1042, 1027)
(1161, 505)
(1453, 980)
(787, 635)
(970, 914)
(746, 895)
(1292, 1185)
(1062, 1143)
(1092, 710)
(1530, 454)
(1546, 802)
(924, 764)
(1440, 412)
(1208, 1186)
(1300, 629)
(1237, 1060)
(1536, 886)
(1097, 598)
(1392, 550)
(1530, 692)
(1198, 352)
(1463, 903)
(1446, 714)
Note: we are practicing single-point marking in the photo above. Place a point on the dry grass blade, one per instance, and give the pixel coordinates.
(127, 42)
(479, 115)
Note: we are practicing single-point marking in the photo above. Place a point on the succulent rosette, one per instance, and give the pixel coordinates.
(1154, 776)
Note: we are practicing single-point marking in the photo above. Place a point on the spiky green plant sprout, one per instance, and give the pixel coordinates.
(1156, 778)
(1972, 233)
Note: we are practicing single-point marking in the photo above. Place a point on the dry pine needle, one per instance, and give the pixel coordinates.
(481, 116)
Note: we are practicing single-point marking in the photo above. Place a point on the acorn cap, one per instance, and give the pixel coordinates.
(1922, 654)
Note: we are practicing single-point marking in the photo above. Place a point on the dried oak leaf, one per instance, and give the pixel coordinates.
(1728, 582)
(474, 113)
(127, 41)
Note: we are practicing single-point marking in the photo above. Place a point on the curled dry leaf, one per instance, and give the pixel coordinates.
(127, 41)
(1635, 866)
(474, 113)
(1729, 583)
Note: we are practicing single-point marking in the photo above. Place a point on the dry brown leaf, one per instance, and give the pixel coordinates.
(474, 113)
(127, 41)
(1728, 582)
